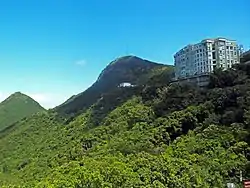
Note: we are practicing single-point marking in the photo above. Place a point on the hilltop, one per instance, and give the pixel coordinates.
(16, 107)
(131, 69)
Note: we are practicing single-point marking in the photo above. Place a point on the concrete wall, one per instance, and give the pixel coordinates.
(200, 81)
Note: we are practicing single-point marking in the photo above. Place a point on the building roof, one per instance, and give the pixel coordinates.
(218, 38)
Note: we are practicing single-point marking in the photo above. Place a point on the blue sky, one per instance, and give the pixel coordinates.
(52, 49)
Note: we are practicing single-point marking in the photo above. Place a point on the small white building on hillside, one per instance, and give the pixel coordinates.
(126, 84)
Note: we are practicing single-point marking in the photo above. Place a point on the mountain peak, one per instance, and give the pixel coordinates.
(18, 93)
(128, 58)
(122, 66)
(18, 96)
(16, 107)
(126, 69)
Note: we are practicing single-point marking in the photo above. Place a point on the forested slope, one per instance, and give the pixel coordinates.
(152, 135)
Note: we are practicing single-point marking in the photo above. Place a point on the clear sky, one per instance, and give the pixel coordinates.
(52, 49)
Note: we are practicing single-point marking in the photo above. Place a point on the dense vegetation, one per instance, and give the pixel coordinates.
(153, 135)
(16, 107)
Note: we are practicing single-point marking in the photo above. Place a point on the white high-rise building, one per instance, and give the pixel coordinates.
(204, 57)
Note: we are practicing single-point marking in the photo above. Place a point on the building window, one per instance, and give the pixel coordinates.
(213, 55)
(221, 43)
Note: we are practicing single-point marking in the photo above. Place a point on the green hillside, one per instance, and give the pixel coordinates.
(129, 69)
(153, 135)
(16, 107)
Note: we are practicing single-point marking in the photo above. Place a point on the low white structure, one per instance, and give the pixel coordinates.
(126, 84)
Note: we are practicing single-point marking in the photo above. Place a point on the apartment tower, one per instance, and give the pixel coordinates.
(204, 57)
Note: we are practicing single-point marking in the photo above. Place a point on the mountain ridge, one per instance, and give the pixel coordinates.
(123, 69)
